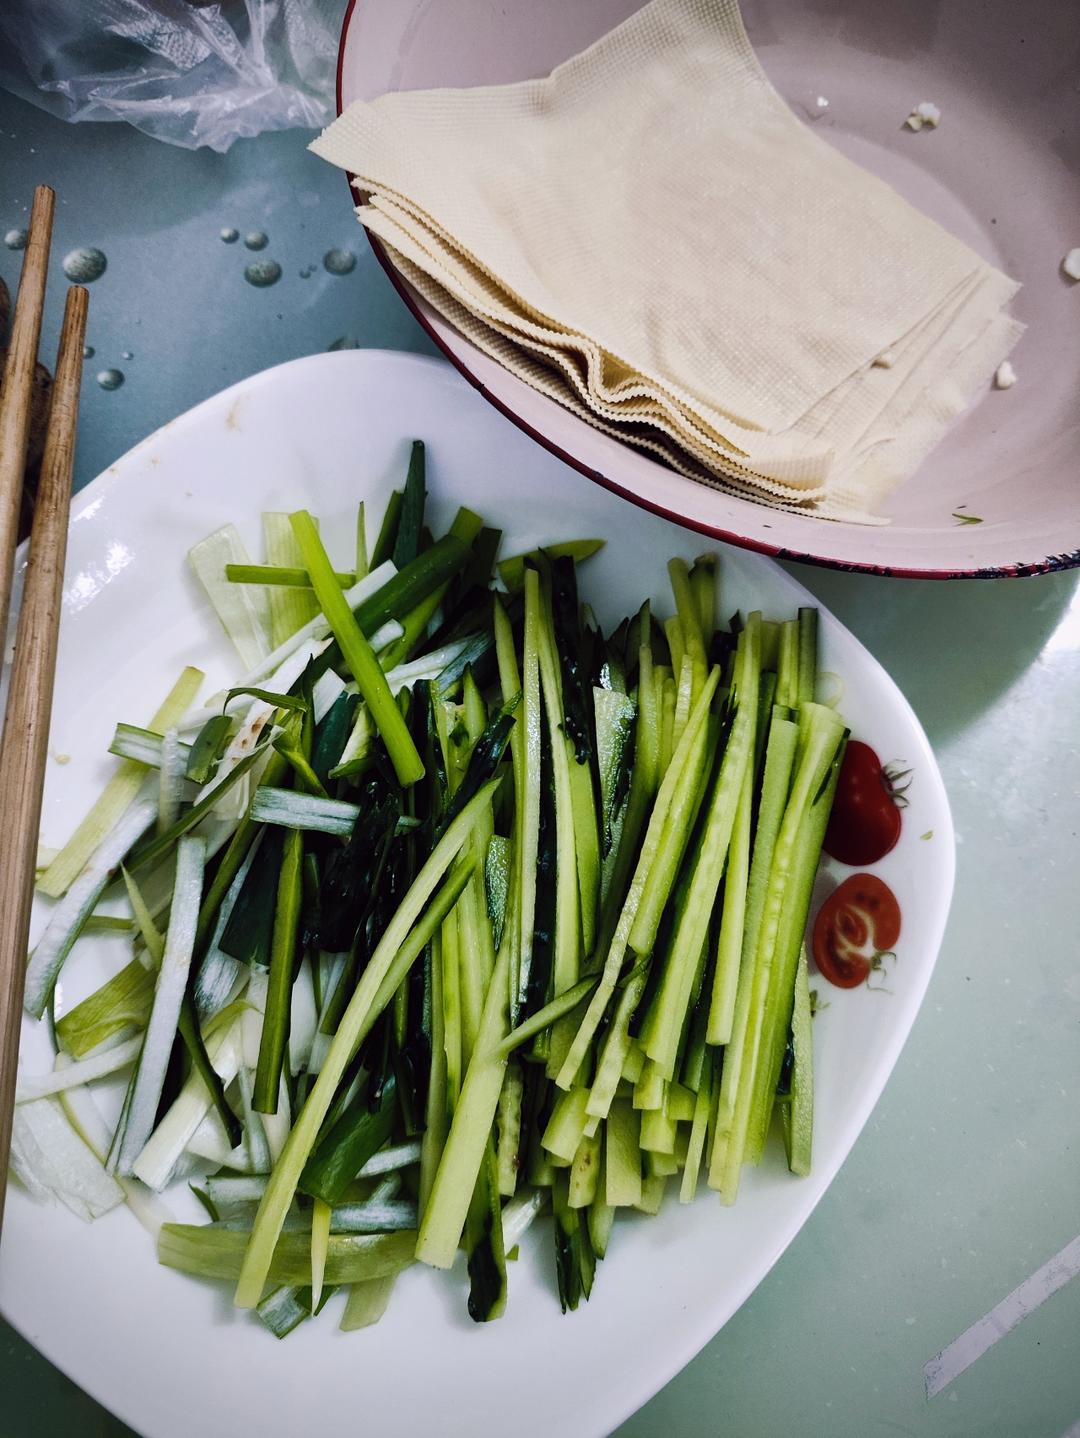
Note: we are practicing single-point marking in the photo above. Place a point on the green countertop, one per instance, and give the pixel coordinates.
(966, 1179)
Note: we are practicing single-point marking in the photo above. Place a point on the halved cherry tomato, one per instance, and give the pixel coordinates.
(859, 921)
(865, 822)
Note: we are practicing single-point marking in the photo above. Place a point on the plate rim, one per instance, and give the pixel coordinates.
(645, 1381)
(1052, 564)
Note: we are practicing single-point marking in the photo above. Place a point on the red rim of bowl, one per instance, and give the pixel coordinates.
(1051, 565)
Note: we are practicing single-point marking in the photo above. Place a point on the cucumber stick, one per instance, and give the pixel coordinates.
(585, 1173)
(508, 1148)
(567, 946)
(687, 795)
(663, 1025)
(644, 778)
(669, 790)
(566, 1125)
(614, 717)
(484, 1245)
(470, 1131)
(437, 1110)
(688, 764)
(778, 1008)
(622, 1155)
(525, 746)
(823, 733)
(797, 1114)
(779, 758)
(733, 919)
(699, 1126)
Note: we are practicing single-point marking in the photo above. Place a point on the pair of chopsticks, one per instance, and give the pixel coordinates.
(26, 724)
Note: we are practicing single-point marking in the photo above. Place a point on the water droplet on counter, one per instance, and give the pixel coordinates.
(229, 235)
(15, 239)
(85, 265)
(110, 378)
(339, 262)
(257, 240)
(262, 273)
(307, 272)
(127, 355)
(88, 352)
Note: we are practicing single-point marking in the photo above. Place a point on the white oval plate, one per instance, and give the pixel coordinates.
(170, 1355)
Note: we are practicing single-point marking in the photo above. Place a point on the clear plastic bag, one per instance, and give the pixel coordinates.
(192, 74)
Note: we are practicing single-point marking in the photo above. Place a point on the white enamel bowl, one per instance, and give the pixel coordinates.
(1002, 172)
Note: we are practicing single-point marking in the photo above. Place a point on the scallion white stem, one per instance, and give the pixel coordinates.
(426, 666)
(234, 801)
(329, 687)
(171, 780)
(296, 810)
(220, 974)
(189, 1110)
(141, 745)
(36, 1086)
(78, 903)
(168, 996)
(384, 1216)
(51, 1160)
(519, 1214)
(389, 1160)
(243, 611)
(318, 628)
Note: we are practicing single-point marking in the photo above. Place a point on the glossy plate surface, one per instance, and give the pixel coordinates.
(1002, 172)
(169, 1354)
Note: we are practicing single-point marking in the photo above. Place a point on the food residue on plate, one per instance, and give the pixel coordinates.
(925, 115)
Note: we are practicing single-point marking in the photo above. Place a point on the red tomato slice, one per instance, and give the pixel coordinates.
(865, 821)
(859, 921)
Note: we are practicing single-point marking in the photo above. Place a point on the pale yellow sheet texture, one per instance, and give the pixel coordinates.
(651, 237)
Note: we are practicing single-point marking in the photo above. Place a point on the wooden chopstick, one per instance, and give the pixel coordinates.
(24, 747)
(18, 384)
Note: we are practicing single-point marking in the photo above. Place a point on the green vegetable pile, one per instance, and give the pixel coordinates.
(452, 911)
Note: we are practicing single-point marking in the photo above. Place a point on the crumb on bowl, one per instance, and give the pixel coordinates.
(925, 115)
